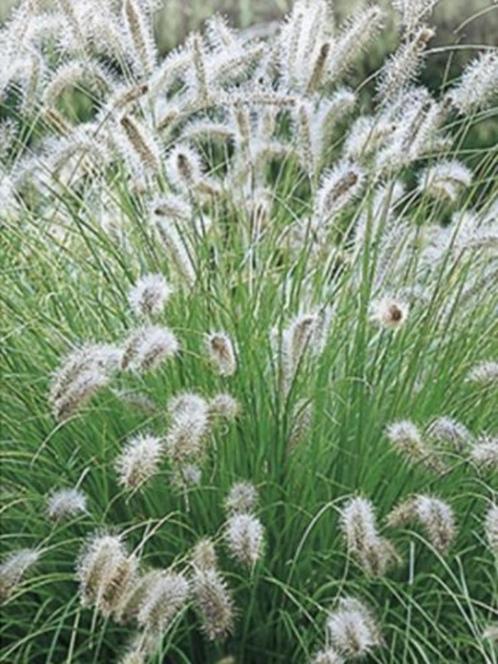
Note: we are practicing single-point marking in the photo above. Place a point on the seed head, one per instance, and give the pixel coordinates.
(214, 603)
(241, 498)
(13, 569)
(402, 68)
(484, 373)
(327, 656)
(478, 84)
(184, 167)
(189, 428)
(484, 453)
(133, 656)
(434, 515)
(438, 519)
(358, 522)
(362, 28)
(448, 430)
(139, 461)
(491, 528)
(491, 633)
(407, 441)
(162, 603)
(81, 375)
(338, 187)
(301, 424)
(245, 538)
(140, 38)
(105, 572)
(140, 144)
(445, 180)
(221, 352)
(352, 629)
(413, 11)
(389, 312)
(225, 406)
(204, 555)
(65, 503)
(186, 475)
(149, 346)
(149, 295)
(178, 249)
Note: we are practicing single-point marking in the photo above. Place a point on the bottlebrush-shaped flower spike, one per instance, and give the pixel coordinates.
(402, 68)
(241, 498)
(327, 656)
(189, 428)
(407, 440)
(214, 602)
(81, 375)
(163, 602)
(13, 569)
(448, 430)
(358, 523)
(446, 180)
(412, 12)
(221, 352)
(338, 187)
(204, 555)
(389, 312)
(139, 460)
(434, 515)
(224, 405)
(484, 373)
(65, 503)
(478, 85)
(149, 346)
(139, 33)
(491, 528)
(484, 452)
(359, 32)
(149, 295)
(105, 571)
(352, 629)
(244, 536)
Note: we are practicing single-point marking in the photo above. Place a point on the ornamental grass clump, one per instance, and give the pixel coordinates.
(249, 348)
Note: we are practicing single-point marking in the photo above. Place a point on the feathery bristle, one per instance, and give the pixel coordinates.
(14, 568)
(204, 556)
(105, 571)
(407, 440)
(241, 498)
(162, 603)
(373, 552)
(224, 405)
(149, 295)
(245, 538)
(80, 376)
(65, 503)
(186, 437)
(484, 373)
(491, 528)
(221, 353)
(139, 461)
(478, 85)
(445, 181)
(433, 514)
(149, 346)
(352, 629)
(484, 452)
(214, 602)
(389, 312)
